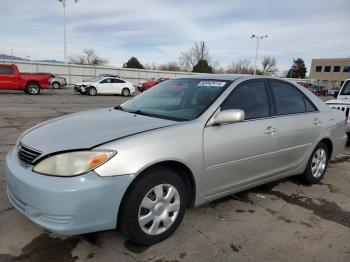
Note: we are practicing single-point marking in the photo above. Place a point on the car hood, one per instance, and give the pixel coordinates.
(88, 129)
(149, 83)
(338, 101)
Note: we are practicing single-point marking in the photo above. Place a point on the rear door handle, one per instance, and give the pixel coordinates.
(270, 130)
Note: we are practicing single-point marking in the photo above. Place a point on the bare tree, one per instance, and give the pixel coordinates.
(89, 57)
(269, 65)
(152, 66)
(170, 66)
(242, 66)
(191, 57)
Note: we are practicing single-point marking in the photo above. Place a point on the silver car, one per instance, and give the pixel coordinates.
(58, 81)
(181, 144)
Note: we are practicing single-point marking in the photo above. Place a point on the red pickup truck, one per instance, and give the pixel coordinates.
(12, 79)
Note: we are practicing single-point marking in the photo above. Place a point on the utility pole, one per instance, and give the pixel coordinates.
(64, 28)
(258, 38)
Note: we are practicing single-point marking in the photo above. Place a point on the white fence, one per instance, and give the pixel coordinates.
(76, 73)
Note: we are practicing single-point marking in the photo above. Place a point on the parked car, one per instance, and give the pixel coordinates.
(147, 85)
(307, 85)
(318, 90)
(58, 81)
(342, 103)
(333, 90)
(138, 166)
(107, 85)
(12, 79)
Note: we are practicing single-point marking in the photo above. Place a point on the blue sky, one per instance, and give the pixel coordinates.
(158, 30)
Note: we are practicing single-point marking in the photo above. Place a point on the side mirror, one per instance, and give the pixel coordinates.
(335, 94)
(227, 117)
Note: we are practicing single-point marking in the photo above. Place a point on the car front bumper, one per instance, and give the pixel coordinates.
(65, 205)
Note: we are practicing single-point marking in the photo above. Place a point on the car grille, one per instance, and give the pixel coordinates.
(27, 154)
(343, 108)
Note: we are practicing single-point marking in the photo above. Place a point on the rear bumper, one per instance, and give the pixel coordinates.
(65, 205)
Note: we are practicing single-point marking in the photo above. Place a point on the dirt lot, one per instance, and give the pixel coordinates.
(281, 221)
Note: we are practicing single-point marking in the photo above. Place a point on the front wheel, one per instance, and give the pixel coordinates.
(125, 92)
(92, 91)
(154, 207)
(33, 89)
(317, 164)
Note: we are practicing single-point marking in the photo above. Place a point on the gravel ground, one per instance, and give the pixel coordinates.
(280, 221)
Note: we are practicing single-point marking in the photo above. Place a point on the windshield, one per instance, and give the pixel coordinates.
(177, 99)
(346, 89)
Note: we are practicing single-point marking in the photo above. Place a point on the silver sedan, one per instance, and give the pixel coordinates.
(181, 144)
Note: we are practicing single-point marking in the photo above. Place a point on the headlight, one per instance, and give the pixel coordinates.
(73, 163)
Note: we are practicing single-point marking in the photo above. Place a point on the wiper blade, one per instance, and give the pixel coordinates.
(139, 112)
(119, 108)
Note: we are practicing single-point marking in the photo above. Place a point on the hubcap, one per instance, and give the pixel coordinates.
(33, 89)
(318, 163)
(158, 209)
(125, 92)
(92, 91)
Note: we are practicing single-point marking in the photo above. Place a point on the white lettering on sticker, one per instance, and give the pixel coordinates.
(212, 83)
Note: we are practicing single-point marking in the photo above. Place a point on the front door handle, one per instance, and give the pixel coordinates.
(317, 122)
(270, 130)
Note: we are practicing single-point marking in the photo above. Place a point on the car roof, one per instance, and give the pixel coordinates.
(230, 77)
(113, 77)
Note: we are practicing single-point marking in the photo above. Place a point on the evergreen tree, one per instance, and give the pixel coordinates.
(133, 62)
(202, 67)
(298, 70)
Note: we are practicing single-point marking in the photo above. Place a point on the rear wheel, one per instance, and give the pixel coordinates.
(32, 89)
(92, 91)
(154, 207)
(125, 92)
(317, 164)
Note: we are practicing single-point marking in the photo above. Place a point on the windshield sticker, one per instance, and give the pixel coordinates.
(211, 83)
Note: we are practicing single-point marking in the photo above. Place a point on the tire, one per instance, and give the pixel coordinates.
(91, 91)
(317, 164)
(144, 189)
(56, 85)
(32, 89)
(125, 92)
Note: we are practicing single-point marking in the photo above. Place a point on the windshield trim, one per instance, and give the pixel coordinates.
(228, 83)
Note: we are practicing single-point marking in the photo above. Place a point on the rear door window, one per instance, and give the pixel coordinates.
(289, 100)
(6, 70)
(117, 81)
